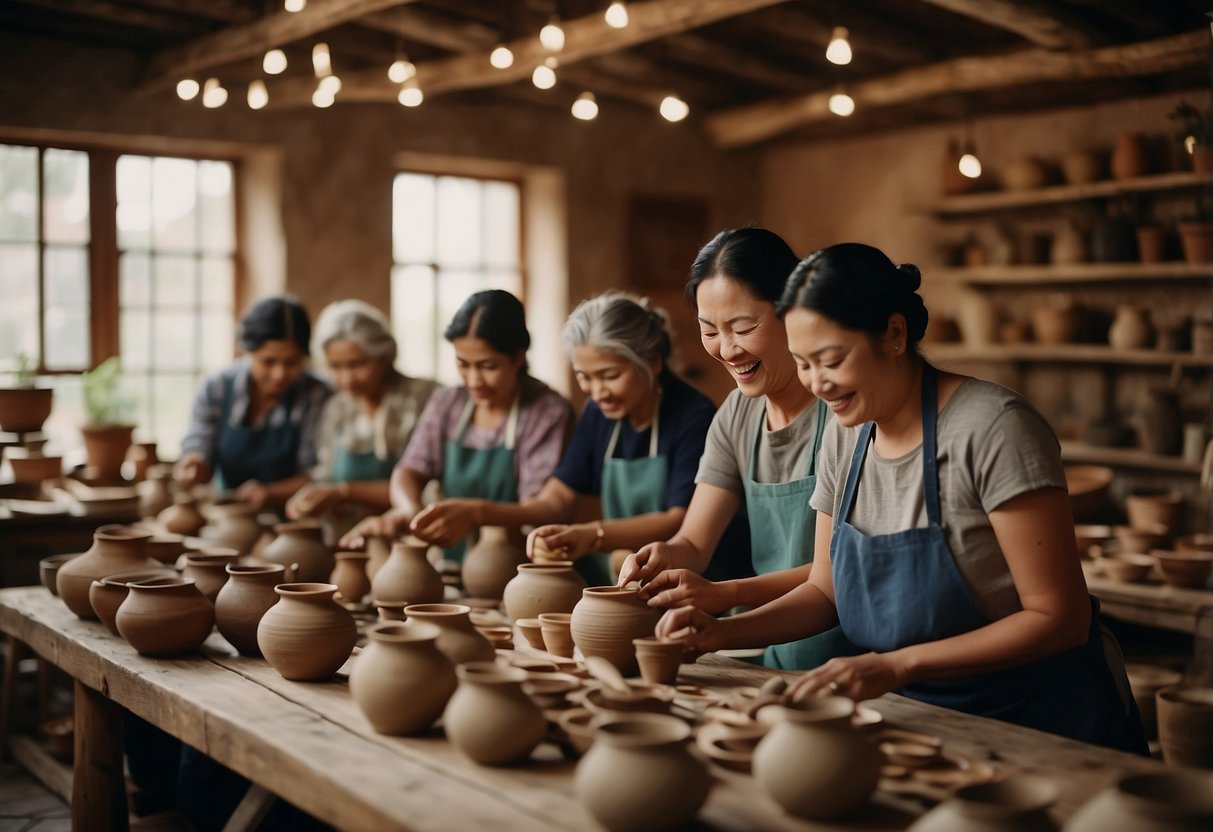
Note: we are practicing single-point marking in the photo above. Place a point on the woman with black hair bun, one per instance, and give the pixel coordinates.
(945, 539)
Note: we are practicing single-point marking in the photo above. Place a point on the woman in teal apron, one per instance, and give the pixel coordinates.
(760, 454)
(951, 551)
(364, 427)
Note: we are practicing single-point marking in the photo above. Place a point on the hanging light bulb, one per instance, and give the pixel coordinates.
(274, 62)
(501, 57)
(401, 71)
(322, 61)
(839, 50)
(969, 164)
(410, 95)
(213, 94)
(544, 75)
(258, 95)
(322, 98)
(674, 108)
(551, 36)
(187, 89)
(294, 5)
(617, 15)
(331, 84)
(585, 107)
(841, 104)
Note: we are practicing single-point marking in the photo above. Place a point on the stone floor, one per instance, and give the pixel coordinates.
(25, 804)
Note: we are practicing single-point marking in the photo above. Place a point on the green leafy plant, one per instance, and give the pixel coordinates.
(27, 370)
(1197, 122)
(102, 403)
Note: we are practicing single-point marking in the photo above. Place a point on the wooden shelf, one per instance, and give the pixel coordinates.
(1065, 353)
(958, 206)
(1074, 273)
(1072, 451)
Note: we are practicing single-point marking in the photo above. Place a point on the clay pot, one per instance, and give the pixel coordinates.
(1145, 680)
(32, 468)
(1126, 567)
(1202, 336)
(243, 600)
(24, 409)
(1014, 332)
(115, 549)
(234, 525)
(350, 576)
(1129, 158)
(1140, 538)
(814, 763)
(1195, 543)
(307, 635)
(377, 551)
(457, 638)
(1162, 422)
(1151, 243)
(542, 587)
(1130, 329)
(1054, 324)
(1196, 240)
(555, 628)
(1088, 489)
(491, 563)
(977, 317)
(1149, 510)
(165, 617)
(391, 610)
(401, 681)
(154, 492)
(105, 448)
(531, 631)
(1190, 569)
(1024, 174)
(1018, 804)
(407, 576)
(48, 570)
(209, 570)
(1081, 166)
(658, 660)
(302, 543)
(605, 621)
(640, 774)
(1069, 246)
(142, 456)
(1171, 801)
(107, 594)
(490, 718)
(183, 516)
(1185, 726)
(166, 548)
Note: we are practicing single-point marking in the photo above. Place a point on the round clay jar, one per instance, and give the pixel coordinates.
(165, 617)
(307, 635)
(542, 587)
(401, 681)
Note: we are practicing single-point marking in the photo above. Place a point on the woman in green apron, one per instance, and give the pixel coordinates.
(364, 427)
(761, 452)
(497, 437)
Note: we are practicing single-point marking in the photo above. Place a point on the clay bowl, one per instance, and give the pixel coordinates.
(1195, 543)
(1088, 488)
(48, 570)
(1149, 510)
(644, 697)
(501, 637)
(1086, 536)
(1190, 569)
(166, 547)
(531, 632)
(1140, 539)
(575, 722)
(730, 746)
(34, 468)
(1127, 567)
(550, 691)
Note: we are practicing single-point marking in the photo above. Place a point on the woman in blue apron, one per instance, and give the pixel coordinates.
(951, 554)
(760, 455)
(364, 427)
(498, 437)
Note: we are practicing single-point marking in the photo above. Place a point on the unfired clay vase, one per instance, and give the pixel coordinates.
(490, 718)
(1185, 726)
(349, 574)
(542, 587)
(307, 635)
(166, 548)
(605, 621)
(377, 551)
(154, 493)
(183, 516)
(1171, 801)
(1130, 329)
(658, 660)
(302, 543)
(639, 775)
(407, 576)
(457, 638)
(491, 563)
(1145, 680)
(243, 600)
(977, 317)
(107, 594)
(233, 524)
(1017, 804)
(142, 456)
(391, 610)
(115, 549)
(401, 681)
(209, 570)
(165, 617)
(814, 763)
(1148, 510)
(48, 570)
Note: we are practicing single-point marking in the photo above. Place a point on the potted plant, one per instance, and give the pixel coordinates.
(24, 407)
(107, 430)
(1196, 232)
(1196, 134)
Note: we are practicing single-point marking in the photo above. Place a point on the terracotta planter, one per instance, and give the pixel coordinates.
(1172, 801)
(1185, 726)
(401, 681)
(105, 448)
(183, 516)
(1130, 329)
(542, 587)
(1129, 158)
(165, 617)
(1151, 243)
(349, 575)
(555, 628)
(115, 549)
(301, 543)
(1146, 680)
(243, 600)
(209, 570)
(234, 525)
(490, 718)
(640, 775)
(1018, 804)
(407, 576)
(491, 563)
(457, 638)
(1196, 239)
(307, 635)
(32, 468)
(659, 660)
(24, 409)
(107, 594)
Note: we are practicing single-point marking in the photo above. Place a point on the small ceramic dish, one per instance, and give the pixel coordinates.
(1127, 567)
(531, 632)
(911, 755)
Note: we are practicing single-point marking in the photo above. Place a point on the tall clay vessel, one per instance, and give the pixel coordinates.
(301, 542)
(307, 635)
(243, 600)
(401, 681)
(183, 516)
(542, 587)
(165, 617)
(350, 576)
(491, 563)
(407, 576)
(605, 621)
(1179, 800)
(115, 549)
(490, 718)
(457, 638)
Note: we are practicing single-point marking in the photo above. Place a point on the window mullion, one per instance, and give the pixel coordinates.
(103, 257)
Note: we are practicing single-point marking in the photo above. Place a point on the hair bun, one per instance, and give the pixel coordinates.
(911, 274)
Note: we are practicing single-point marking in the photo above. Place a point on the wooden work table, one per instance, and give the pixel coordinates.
(309, 744)
(1151, 602)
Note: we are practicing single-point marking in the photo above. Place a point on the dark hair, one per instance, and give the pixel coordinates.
(279, 318)
(754, 256)
(859, 287)
(495, 316)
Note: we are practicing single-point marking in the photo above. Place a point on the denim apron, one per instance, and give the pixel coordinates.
(479, 473)
(782, 525)
(893, 590)
(266, 453)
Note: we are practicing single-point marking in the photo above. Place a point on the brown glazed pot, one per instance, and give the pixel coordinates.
(542, 587)
(165, 617)
(1018, 803)
(350, 576)
(307, 635)
(1173, 801)
(640, 775)
(115, 549)
(457, 638)
(24, 409)
(302, 543)
(401, 681)
(243, 600)
(107, 594)
(491, 563)
(490, 718)
(407, 576)
(182, 517)
(233, 524)
(605, 621)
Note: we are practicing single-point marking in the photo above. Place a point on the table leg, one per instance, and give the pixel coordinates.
(8, 689)
(254, 806)
(98, 787)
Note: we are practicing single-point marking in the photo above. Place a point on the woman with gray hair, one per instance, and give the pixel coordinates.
(364, 427)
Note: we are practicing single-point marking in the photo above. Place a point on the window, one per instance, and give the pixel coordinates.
(451, 236)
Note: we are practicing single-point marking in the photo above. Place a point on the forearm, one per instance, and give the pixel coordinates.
(633, 532)
(763, 589)
(375, 494)
(404, 492)
(799, 613)
(277, 493)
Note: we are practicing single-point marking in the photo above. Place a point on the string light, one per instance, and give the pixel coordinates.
(258, 95)
(401, 71)
(322, 61)
(501, 57)
(544, 75)
(213, 94)
(969, 165)
(674, 108)
(274, 62)
(187, 89)
(322, 98)
(585, 107)
(551, 36)
(411, 95)
(295, 5)
(839, 50)
(617, 15)
(331, 84)
(841, 104)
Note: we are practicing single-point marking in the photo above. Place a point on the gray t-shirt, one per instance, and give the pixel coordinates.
(783, 454)
(992, 446)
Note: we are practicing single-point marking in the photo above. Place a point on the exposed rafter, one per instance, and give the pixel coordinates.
(117, 13)
(1027, 20)
(729, 60)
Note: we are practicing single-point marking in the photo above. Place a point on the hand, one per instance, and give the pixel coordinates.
(700, 632)
(563, 542)
(389, 525)
(313, 498)
(539, 546)
(447, 522)
(684, 588)
(645, 563)
(254, 494)
(191, 469)
(857, 677)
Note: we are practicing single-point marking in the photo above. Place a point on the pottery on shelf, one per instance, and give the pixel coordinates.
(605, 621)
(1129, 158)
(639, 775)
(1151, 243)
(1025, 173)
(1185, 725)
(1187, 569)
(183, 516)
(1130, 329)
(165, 617)
(1069, 247)
(1149, 510)
(24, 409)
(349, 574)
(542, 587)
(490, 718)
(458, 640)
(115, 549)
(977, 317)
(209, 569)
(107, 594)
(1017, 804)
(1055, 324)
(302, 543)
(233, 524)
(408, 575)
(1081, 166)
(33, 468)
(401, 681)
(243, 600)
(307, 635)
(491, 563)
(1170, 801)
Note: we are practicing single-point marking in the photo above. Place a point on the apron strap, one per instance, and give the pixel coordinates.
(852, 484)
(511, 423)
(752, 473)
(930, 463)
(610, 449)
(822, 415)
(465, 419)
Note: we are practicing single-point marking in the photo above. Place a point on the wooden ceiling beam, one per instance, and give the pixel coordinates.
(424, 26)
(729, 60)
(793, 25)
(758, 122)
(115, 13)
(1027, 20)
(220, 11)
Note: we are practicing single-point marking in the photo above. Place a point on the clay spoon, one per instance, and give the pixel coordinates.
(605, 672)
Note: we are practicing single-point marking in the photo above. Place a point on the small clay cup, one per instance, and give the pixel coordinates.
(658, 660)
(532, 631)
(557, 636)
